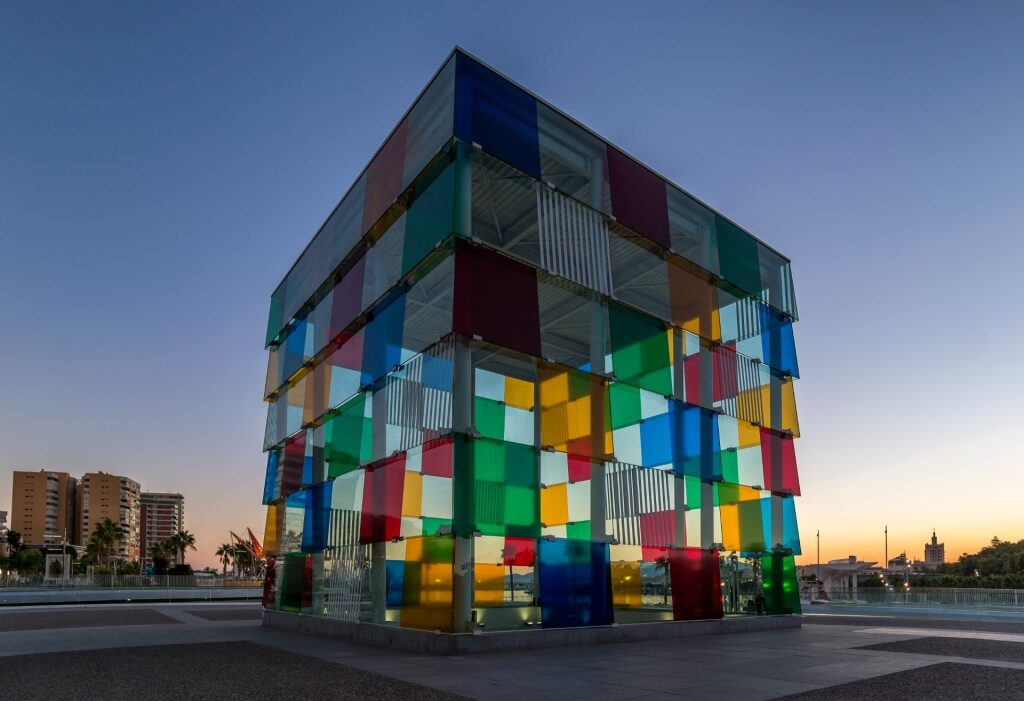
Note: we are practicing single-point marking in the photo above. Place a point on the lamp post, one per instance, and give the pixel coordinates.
(817, 576)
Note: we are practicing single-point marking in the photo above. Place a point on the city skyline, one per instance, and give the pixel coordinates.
(145, 205)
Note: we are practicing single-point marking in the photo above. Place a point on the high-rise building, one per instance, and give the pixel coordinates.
(163, 515)
(3, 533)
(934, 552)
(43, 507)
(113, 497)
(519, 378)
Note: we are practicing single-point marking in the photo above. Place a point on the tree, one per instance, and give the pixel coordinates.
(225, 552)
(161, 557)
(103, 539)
(180, 542)
(14, 542)
(28, 561)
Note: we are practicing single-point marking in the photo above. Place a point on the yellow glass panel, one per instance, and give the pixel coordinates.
(426, 587)
(518, 393)
(789, 417)
(489, 584)
(271, 546)
(578, 416)
(554, 505)
(554, 415)
(748, 434)
(273, 375)
(626, 585)
(730, 515)
(412, 494)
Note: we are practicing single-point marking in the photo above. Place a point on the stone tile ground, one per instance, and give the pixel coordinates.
(760, 665)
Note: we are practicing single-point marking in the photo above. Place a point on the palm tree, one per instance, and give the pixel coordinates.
(225, 552)
(180, 542)
(103, 538)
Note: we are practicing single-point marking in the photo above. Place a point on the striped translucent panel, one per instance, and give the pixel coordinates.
(573, 240)
(419, 398)
(631, 491)
(744, 381)
(343, 583)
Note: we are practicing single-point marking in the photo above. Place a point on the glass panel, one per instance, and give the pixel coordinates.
(430, 123)
(640, 350)
(572, 159)
(575, 588)
(638, 197)
(496, 489)
(696, 585)
(737, 253)
(431, 217)
(504, 206)
(692, 230)
(499, 116)
(639, 273)
(496, 300)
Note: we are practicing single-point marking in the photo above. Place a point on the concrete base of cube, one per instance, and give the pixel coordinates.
(435, 642)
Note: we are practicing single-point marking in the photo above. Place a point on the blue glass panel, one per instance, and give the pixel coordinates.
(790, 533)
(437, 372)
(770, 537)
(395, 576)
(656, 440)
(294, 349)
(575, 586)
(317, 517)
(383, 340)
(777, 342)
(494, 113)
(270, 481)
(695, 441)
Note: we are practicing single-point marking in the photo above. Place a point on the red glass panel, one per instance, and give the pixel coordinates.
(294, 455)
(520, 552)
(725, 384)
(437, 458)
(696, 584)
(346, 302)
(496, 299)
(384, 177)
(691, 371)
(778, 457)
(639, 198)
(381, 519)
(579, 468)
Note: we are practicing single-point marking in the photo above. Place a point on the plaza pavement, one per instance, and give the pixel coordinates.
(143, 651)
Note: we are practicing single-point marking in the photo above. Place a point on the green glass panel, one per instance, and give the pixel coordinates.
(580, 530)
(640, 350)
(462, 488)
(692, 492)
(737, 256)
(347, 437)
(781, 590)
(625, 404)
(292, 582)
(275, 320)
(431, 525)
(751, 534)
(489, 417)
(429, 219)
(730, 466)
(496, 489)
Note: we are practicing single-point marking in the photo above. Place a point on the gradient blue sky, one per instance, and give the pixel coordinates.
(162, 165)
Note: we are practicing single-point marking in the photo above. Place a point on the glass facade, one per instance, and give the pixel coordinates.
(519, 379)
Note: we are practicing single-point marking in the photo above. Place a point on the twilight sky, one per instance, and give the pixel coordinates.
(162, 165)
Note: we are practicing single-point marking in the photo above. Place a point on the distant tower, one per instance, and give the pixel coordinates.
(934, 552)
